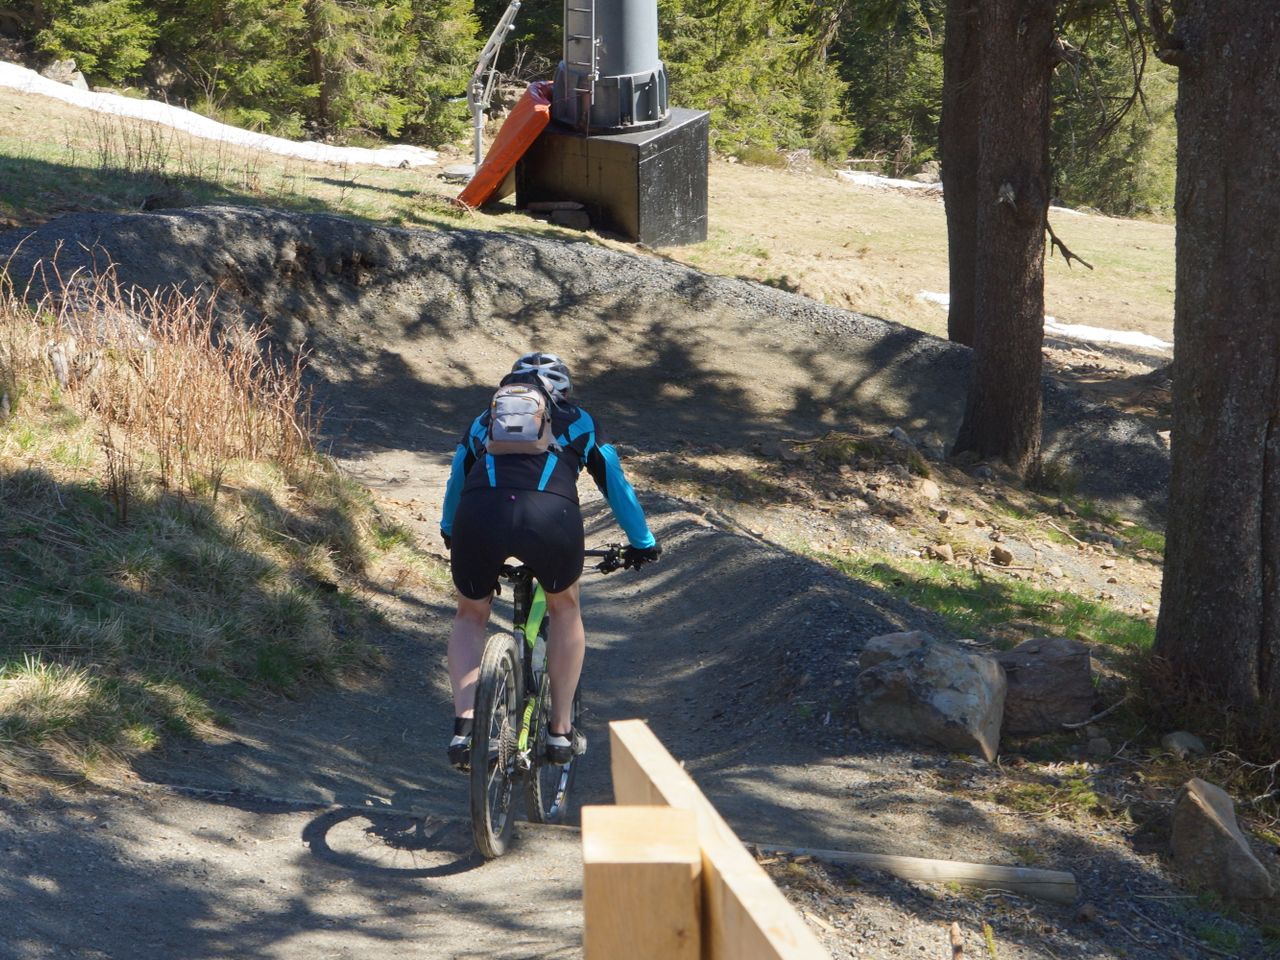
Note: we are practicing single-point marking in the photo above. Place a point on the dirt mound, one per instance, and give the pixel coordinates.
(404, 321)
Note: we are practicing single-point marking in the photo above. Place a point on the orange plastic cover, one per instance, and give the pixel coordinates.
(529, 118)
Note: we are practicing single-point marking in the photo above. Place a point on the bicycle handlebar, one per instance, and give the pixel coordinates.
(612, 557)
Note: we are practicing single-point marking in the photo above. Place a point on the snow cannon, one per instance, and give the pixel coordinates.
(611, 77)
(637, 166)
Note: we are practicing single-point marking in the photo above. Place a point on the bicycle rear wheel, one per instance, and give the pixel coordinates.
(547, 790)
(494, 745)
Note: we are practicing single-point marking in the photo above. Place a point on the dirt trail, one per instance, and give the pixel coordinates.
(331, 827)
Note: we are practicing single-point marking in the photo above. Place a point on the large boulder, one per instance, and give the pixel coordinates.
(1050, 683)
(916, 688)
(1209, 847)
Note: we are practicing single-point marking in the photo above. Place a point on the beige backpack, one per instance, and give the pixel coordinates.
(519, 420)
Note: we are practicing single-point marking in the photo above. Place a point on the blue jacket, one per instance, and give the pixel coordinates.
(578, 444)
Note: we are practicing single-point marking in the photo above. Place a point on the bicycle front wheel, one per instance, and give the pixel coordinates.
(494, 746)
(547, 790)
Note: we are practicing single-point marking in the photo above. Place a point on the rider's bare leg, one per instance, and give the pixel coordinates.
(566, 646)
(466, 647)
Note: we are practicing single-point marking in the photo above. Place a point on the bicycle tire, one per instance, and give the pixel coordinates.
(499, 696)
(549, 785)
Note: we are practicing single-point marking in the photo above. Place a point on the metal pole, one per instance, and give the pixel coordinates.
(480, 89)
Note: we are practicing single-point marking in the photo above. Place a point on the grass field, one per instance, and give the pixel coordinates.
(855, 247)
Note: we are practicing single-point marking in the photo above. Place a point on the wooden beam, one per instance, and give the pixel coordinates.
(745, 916)
(1054, 885)
(641, 884)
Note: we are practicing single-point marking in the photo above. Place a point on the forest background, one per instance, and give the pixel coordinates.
(842, 79)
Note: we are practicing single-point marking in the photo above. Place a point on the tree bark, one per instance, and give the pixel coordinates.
(1003, 412)
(1219, 626)
(958, 149)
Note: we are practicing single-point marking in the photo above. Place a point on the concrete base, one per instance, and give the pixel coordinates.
(649, 185)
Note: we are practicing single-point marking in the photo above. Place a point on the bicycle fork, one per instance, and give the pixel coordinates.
(537, 676)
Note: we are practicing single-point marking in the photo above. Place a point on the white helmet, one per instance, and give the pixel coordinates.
(550, 369)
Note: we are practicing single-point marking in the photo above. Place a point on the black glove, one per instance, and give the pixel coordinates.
(448, 540)
(638, 556)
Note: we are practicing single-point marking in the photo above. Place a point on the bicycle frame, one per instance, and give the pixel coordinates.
(529, 613)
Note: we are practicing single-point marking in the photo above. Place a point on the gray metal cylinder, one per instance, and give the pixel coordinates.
(611, 77)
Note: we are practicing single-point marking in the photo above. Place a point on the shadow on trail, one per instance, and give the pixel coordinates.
(405, 324)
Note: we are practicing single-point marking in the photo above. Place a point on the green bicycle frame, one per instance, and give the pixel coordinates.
(532, 624)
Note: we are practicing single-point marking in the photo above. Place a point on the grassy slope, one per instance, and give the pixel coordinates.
(865, 249)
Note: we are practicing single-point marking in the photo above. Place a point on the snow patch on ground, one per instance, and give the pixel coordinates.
(886, 183)
(1072, 331)
(28, 81)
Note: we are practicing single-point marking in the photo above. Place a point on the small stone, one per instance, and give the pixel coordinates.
(1099, 747)
(929, 490)
(1183, 744)
(983, 472)
(1087, 913)
(979, 522)
(1145, 607)
(1056, 573)
(573, 219)
(944, 515)
(1001, 556)
(1092, 731)
(959, 516)
(943, 552)
(1108, 564)
(994, 535)
(897, 433)
(1112, 580)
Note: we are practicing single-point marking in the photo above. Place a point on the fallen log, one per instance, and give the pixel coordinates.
(1056, 886)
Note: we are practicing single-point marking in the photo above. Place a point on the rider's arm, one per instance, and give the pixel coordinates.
(463, 459)
(602, 463)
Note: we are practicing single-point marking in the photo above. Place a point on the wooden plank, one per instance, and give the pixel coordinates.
(745, 916)
(641, 884)
(1057, 886)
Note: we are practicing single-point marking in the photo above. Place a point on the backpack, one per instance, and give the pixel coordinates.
(519, 420)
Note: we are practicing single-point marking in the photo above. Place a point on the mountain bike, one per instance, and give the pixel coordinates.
(512, 714)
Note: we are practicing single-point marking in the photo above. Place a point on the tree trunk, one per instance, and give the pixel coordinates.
(1219, 626)
(958, 147)
(321, 74)
(1002, 416)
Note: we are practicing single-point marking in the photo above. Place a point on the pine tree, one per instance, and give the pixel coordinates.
(109, 40)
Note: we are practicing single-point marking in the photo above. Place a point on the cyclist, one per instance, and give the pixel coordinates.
(525, 505)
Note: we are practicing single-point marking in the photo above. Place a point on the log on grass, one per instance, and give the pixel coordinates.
(1057, 886)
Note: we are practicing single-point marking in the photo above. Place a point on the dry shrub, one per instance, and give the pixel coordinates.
(162, 373)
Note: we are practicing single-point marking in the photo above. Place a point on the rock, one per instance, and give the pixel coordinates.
(929, 490)
(1050, 683)
(1099, 747)
(1056, 573)
(891, 646)
(1001, 556)
(943, 515)
(1209, 847)
(931, 692)
(959, 516)
(1182, 744)
(1107, 564)
(943, 552)
(1087, 913)
(930, 172)
(1113, 580)
(573, 219)
(550, 206)
(79, 82)
(984, 472)
(61, 71)
(897, 433)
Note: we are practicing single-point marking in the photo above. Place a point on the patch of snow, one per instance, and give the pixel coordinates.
(1071, 331)
(1079, 331)
(28, 81)
(886, 183)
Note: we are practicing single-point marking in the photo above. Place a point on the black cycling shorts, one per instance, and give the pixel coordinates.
(542, 530)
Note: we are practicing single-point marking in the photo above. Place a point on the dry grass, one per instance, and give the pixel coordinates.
(168, 535)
